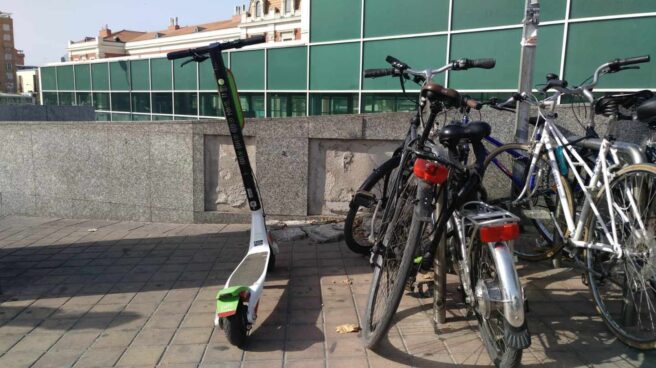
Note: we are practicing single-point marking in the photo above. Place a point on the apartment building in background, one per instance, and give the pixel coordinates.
(10, 58)
(278, 20)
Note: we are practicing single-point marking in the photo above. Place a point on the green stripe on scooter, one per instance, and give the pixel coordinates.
(227, 300)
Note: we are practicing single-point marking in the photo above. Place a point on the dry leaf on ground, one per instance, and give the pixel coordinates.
(347, 328)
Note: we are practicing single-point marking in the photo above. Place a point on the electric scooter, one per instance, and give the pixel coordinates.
(237, 302)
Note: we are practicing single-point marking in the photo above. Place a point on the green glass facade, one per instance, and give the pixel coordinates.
(348, 36)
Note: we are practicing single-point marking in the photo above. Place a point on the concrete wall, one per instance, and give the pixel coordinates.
(185, 171)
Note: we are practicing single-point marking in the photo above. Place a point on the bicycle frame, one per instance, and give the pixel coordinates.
(600, 175)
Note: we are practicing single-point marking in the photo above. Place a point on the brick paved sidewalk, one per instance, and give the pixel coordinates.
(133, 294)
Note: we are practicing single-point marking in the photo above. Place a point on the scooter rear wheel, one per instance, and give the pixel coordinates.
(235, 327)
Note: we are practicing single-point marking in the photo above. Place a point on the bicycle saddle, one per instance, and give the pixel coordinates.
(434, 92)
(607, 105)
(474, 131)
(647, 112)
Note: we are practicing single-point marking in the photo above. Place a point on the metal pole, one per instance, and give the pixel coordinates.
(526, 63)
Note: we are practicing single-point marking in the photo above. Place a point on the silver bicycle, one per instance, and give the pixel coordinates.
(610, 230)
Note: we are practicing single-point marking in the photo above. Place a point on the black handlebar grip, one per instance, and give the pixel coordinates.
(251, 41)
(396, 62)
(629, 61)
(375, 73)
(554, 83)
(179, 54)
(482, 63)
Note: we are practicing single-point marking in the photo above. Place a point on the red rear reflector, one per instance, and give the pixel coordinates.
(431, 172)
(226, 314)
(499, 233)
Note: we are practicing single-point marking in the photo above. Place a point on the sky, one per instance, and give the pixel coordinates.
(42, 28)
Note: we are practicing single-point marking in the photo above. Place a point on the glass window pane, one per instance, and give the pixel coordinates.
(248, 68)
(252, 104)
(391, 17)
(207, 79)
(50, 98)
(65, 78)
(140, 117)
(140, 75)
(184, 77)
(547, 58)
(501, 45)
(84, 99)
(162, 117)
(585, 51)
(420, 53)
(286, 105)
(335, 67)
(186, 103)
(66, 99)
(335, 20)
(121, 117)
(287, 68)
(101, 101)
(388, 103)
(82, 77)
(210, 104)
(332, 104)
(49, 78)
(100, 77)
(119, 73)
(160, 74)
(141, 102)
(162, 103)
(594, 8)
(103, 116)
(120, 102)
(477, 14)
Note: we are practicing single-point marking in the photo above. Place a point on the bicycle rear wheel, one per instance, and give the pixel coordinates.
(506, 171)
(624, 289)
(362, 220)
(392, 265)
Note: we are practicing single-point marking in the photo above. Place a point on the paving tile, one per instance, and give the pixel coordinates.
(115, 338)
(58, 358)
(141, 356)
(191, 353)
(19, 359)
(75, 340)
(97, 357)
(153, 336)
(39, 341)
(192, 335)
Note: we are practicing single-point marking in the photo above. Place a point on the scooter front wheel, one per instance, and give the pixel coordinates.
(235, 327)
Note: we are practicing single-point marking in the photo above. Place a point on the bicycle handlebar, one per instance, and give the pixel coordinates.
(377, 73)
(617, 63)
(220, 46)
(464, 64)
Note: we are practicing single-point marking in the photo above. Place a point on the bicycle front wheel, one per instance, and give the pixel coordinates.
(624, 288)
(506, 172)
(363, 222)
(392, 266)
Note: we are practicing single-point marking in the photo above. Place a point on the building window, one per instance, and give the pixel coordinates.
(387, 102)
(120, 101)
(141, 102)
(101, 101)
(9, 67)
(258, 9)
(333, 103)
(186, 103)
(286, 105)
(5, 27)
(252, 104)
(210, 104)
(162, 103)
(9, 56)
(83, 99)
(288, 6)
(6, 37)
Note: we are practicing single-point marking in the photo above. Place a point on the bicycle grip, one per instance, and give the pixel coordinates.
(376, 73)
(629, 61)
(482, 63)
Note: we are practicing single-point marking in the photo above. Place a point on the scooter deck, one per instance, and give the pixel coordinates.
(250, 269)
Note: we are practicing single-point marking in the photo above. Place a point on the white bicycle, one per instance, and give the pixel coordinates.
(610, 230)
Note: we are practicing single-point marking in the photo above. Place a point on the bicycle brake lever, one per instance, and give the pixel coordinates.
(197, 58)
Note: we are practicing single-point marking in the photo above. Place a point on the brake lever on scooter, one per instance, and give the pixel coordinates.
(197, 58)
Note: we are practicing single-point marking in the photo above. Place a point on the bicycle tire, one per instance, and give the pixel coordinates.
(552, 242)
(376, 328)
(596, 258)
(510, 357)
(355, 232)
